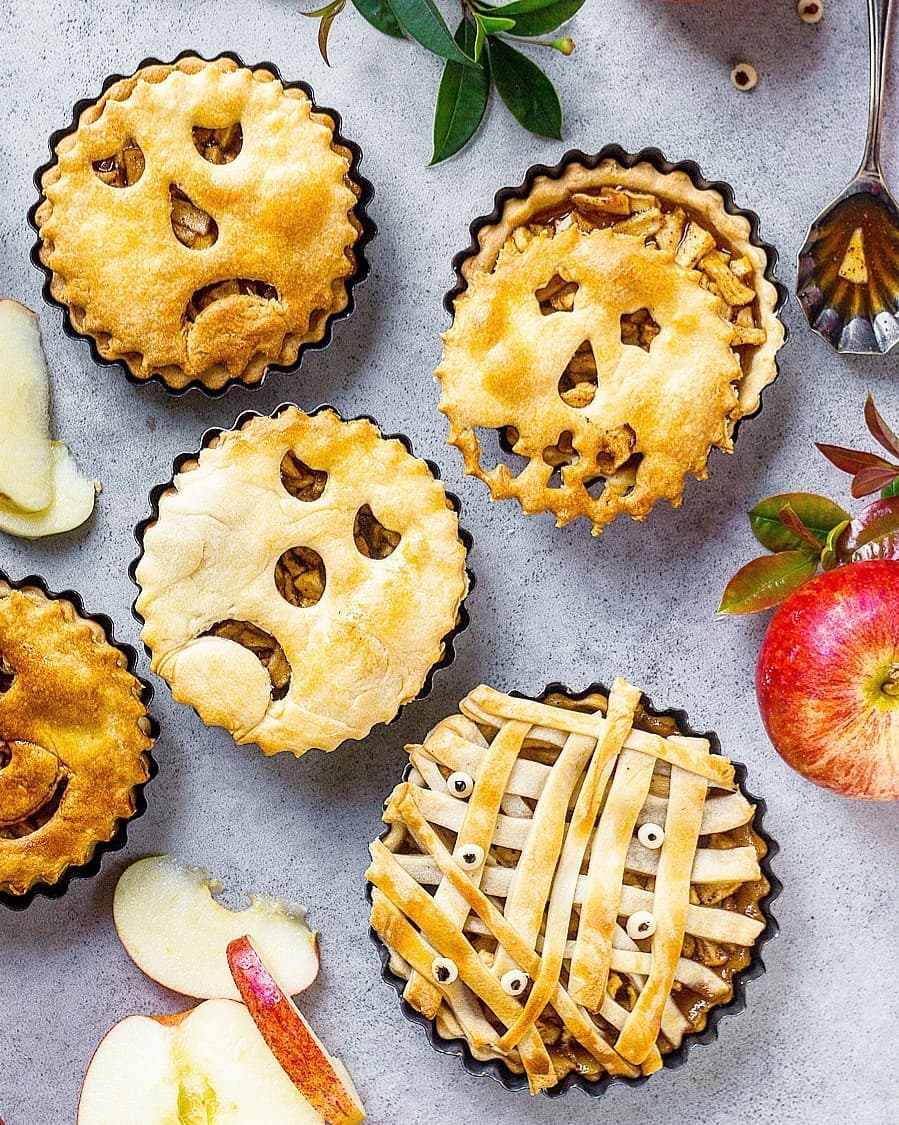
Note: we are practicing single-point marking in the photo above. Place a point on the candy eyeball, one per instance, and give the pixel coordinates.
(651, 835)
(514, 982)
(444, 971)
(460, 784)
(470, 856)
(641, 924)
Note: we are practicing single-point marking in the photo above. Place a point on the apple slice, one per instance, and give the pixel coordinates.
(320, 1078)
(205, 1065)
(173, 929)
(72, 503)
(25, 419)
(41, 490)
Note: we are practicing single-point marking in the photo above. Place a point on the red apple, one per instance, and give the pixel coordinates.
(827, 680)
(321, 1079)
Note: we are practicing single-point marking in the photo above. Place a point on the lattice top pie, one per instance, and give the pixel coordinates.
(567, 884)
(74, 737)
(200, 222)
(300, 580)
(616, 324)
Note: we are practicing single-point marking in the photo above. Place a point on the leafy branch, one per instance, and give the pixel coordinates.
(477, 58)
(804, 531)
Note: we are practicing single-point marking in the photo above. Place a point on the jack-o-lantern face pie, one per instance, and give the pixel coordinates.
(200, 223)
(616, 323)
(74, 739)
(300, 580)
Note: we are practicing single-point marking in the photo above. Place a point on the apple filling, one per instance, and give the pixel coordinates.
(219, 146)
(124, 168)
(664, 226)
(371, 537)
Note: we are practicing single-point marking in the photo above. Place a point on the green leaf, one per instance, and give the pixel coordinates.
(818, 514)
(768, 581)
(829, 556)
(890, 490)
(461, 99)
(324, 28)
(379, 15)
(536, 17)
(421, 21)
(526, 90)
(493, 24)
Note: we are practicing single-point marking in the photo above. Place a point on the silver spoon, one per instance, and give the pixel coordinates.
(849, 266)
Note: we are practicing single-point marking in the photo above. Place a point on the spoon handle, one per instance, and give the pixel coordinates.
(878, 34)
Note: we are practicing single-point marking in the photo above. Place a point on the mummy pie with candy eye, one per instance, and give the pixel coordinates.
(534, 916)
(300, 580)
(74, 739)
(201, 223)
(610, 327)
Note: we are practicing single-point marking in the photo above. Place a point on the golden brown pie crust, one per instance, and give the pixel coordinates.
(74, 739)
(204, 268)
(552, 798)
(650, 285)
(300, 580)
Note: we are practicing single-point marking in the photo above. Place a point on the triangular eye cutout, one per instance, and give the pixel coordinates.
(638, 329)
(577, 386)
(372, 538)
(557, 295)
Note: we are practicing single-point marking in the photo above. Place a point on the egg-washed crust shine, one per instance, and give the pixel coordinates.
(656, 413)
(72, 722)
(284, 209)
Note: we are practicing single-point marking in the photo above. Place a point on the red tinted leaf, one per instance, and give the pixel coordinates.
(817, 515)
(880, 431)
(872, 479)
(851, 460)
(768, 581)
(878, 521)
(793, 523)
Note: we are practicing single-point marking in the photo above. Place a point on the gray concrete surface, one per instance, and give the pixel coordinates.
(817, 1043)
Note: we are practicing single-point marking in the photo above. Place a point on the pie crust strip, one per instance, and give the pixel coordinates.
(710, 922)
(485, 704)
(671, 900)
(588, 973)
(449, 746)
(711, 865)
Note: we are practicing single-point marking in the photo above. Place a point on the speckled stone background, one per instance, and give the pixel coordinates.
(818, 1040)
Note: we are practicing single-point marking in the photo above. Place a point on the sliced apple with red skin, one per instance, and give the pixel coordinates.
(321, 1079)
(194, 1068)
(176, 932)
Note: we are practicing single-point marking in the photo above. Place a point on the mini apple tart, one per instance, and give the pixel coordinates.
(75, 740)
(300, 579)
(202, 221)
(571, 886)
(614, 318)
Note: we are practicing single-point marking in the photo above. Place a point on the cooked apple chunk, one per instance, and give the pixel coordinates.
(175, 930)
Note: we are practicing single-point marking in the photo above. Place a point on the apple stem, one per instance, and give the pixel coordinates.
(890, 686)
